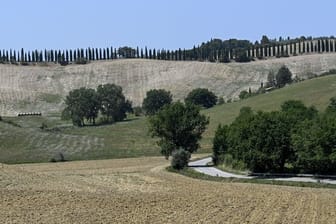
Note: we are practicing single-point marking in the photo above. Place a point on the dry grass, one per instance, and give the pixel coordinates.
(42, 88)
(141, 191)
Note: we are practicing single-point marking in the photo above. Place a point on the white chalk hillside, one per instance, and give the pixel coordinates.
(43, 88)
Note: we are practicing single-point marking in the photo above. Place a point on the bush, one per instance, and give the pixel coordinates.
(180, 159)
(201, 97)
(58, 158)
(283, 77)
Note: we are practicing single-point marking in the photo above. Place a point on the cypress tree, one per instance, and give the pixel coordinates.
(108, 53)
(115, 53)
(100, 54)
(142, 54)
(41, 56)
(25, 57)
(104, 54)
(67, 56)
(75, 56)
(22, 54)
(112, 53)
(70, 55)
(29, 57)
(137, 52)
(150, 53)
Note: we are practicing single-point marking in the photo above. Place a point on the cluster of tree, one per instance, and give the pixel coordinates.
(295, 139)
(215, 50)
(86, 104)
(156, 98)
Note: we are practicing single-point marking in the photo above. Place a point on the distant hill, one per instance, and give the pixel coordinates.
(42, 88)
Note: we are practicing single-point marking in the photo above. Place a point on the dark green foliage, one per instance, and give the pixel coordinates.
(178, 126)
(85, 104)
(201, 97)
(113, 104)
(244, 94)
(180, 159)
(81, 104)
(314, 145)
(155, 100)
(283, 77)
(267, 141)
(220, 143)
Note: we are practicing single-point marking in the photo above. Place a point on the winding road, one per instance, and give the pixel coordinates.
(202, 167)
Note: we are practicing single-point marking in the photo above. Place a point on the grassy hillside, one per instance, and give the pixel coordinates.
(42, 88)
(23, 141)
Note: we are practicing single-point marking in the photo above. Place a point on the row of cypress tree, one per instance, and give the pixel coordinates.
(214, 50)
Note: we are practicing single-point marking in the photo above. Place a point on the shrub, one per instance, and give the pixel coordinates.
(283, 77)
(180, 159)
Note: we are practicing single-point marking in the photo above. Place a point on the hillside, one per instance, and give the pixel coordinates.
(26, 142)
(42, 88)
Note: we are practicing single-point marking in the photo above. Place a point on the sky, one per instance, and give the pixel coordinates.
(169, 24)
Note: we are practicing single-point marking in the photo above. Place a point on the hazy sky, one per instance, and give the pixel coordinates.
(170, 24)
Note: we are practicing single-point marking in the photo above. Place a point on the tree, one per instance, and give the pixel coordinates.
(113, 104)
(155, 100)
(202, 97)
(244, 94)
(81, 104)
(283, 77)
(178, 126)
(220, 144)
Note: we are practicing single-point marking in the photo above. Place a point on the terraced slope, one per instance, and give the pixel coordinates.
(42, 88)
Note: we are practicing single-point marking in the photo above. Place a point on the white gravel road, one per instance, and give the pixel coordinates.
(201, 166)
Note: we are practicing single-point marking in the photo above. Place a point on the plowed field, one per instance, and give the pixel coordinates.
(139, 190)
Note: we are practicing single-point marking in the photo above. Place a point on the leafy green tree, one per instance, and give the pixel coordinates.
(201, 97)
(314, 144)
(113, 104)
(283, 77)
(155, 100)
(81, 104)
(220, 144)
(178, 126)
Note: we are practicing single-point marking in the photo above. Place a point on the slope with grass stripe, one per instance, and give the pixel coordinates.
(130, 138)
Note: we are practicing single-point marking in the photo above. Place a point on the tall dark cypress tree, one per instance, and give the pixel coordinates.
(67, 56)
(112, 56)
(108, 53)
(146, 53)
(100, 54)
(97, 54)
(70, 55)
(104, 54)
(75, 55)
(137, 52)
(22, 55)
(115, 53)
(25, 57)
(142, 54)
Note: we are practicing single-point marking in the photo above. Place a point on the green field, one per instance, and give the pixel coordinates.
(22, 140)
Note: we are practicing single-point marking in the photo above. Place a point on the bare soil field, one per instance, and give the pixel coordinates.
(42, 88)
(140, 190)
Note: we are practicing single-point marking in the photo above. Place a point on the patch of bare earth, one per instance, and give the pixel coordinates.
(139, 190)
